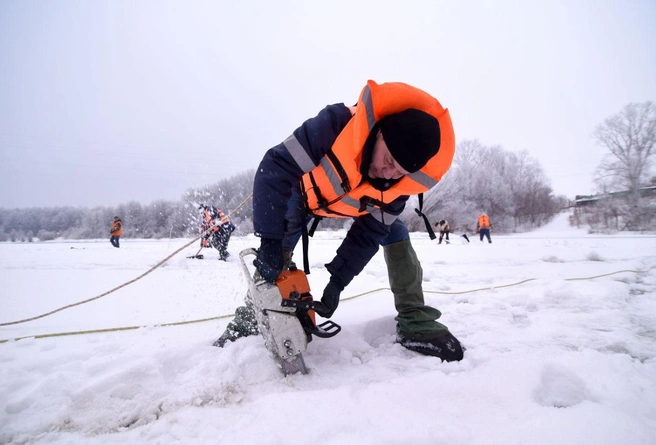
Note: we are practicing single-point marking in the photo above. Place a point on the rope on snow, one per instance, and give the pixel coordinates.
(179, 323)
(128, 282)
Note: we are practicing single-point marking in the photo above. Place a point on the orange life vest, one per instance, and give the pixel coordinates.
(223, 217)
(210, 220)
(484, 222)
(335, 188)
(117, 228)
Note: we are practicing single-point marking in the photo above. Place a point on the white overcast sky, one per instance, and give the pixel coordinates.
(105, 102)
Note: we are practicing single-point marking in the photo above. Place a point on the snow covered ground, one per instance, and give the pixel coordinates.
(549, 361)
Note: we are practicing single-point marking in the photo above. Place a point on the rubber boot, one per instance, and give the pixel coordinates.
(243, 325)
(417, 326)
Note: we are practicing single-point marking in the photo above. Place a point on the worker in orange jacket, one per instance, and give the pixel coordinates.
(221, 229)
(116, 231)
(361, 162)
(483, 227)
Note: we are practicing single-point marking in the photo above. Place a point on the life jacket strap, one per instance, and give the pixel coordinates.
(368, 201)
(345, 184)
(420, 212)
(322, 203)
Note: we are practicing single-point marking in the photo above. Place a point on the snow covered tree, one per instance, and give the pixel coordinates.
(510, 187)
(630, 138)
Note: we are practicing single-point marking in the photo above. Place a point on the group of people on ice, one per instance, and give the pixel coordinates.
(483, 226)
(216, 228)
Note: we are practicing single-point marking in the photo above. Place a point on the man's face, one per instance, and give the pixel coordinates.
(383, 165)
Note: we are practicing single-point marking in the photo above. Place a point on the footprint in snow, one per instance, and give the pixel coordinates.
(560, 387)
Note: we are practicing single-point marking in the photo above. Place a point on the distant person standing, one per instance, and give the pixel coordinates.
(116, 231)
(483, 227)
(445, 229)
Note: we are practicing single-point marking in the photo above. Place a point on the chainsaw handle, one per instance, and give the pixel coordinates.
(247, 273)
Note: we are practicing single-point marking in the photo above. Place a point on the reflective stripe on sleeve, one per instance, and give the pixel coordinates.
(299, 154)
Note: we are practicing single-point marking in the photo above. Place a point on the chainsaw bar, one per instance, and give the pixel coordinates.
(284, 336)
(293, 366)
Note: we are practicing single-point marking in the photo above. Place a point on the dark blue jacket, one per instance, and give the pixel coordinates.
(278, 172)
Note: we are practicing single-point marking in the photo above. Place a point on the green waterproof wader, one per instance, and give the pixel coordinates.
(415, 321)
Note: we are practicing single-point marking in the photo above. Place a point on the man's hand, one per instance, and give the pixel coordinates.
(269, 261)
(328, 304)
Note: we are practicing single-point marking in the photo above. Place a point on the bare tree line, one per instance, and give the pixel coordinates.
(159, 219)
(625, 180)
(512, 188)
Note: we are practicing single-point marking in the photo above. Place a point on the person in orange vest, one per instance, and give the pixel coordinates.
(483, 227)
(361, 162)
(116, 230)
(222, 228)
(444, 228)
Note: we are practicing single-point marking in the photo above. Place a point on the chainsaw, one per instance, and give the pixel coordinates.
(285, 315)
